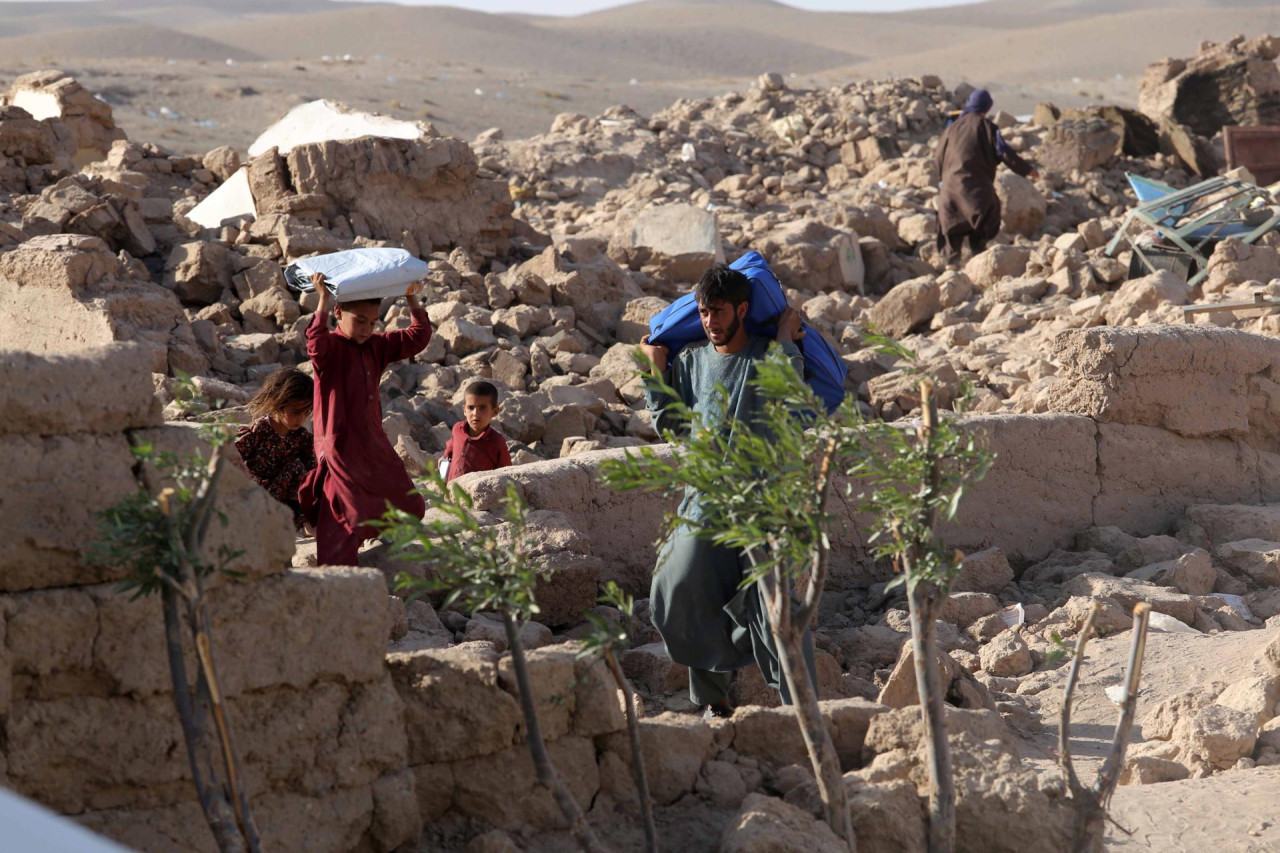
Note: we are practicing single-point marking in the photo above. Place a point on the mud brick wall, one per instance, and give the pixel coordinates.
(1143, 422)
(88, 723)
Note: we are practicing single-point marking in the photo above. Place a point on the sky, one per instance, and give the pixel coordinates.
(578, 7)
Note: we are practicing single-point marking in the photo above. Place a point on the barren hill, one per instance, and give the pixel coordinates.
(467, 71)
(119, 41)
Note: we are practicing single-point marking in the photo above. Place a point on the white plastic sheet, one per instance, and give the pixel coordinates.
(361, 273)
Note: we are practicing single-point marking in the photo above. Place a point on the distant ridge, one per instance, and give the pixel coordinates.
(137, 41)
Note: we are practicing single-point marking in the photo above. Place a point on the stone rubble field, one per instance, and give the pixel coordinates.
(1138, 459)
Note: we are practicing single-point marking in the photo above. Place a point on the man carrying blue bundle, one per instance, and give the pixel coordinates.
(969, 153)
(708, 621)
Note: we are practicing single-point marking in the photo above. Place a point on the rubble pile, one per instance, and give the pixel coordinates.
(546, 258)
(617, 215)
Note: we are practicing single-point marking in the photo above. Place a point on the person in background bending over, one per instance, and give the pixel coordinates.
(969, 153)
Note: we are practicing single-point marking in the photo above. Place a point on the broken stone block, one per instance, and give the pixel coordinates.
(1257, 696)
(962, 609)
(1006, 656)
(1236, 522)
(814, 256)
(995, 263)
(675, 748)
(55, 94)
(464, 337)
(651, 669)
(92, 390)
(1190, 573)
(1257, 558)
(768, 824)
(1022, 205)
(199, 272)
(963, 690)
(1233, 82)
(634, 322)
(984, 571)
(681, 239)
(1128, 591)
(454, 707)
(1216, 735)
(1080, 145)
(1139, 296)
(906, 306)
(1150, 770)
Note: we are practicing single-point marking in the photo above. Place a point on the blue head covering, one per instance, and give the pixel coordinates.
(979, 102)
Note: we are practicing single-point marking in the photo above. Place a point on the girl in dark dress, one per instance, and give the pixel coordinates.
(276, 449)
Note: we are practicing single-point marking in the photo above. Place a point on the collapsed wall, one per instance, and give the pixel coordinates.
(1142, 423)
(423, 194)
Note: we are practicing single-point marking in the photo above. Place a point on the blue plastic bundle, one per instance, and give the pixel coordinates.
(677, 326)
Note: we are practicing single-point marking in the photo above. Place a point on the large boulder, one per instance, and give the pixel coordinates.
(680, 239)
(1080, 145)
(1022, 206)
(1232, 83)
(906, 306)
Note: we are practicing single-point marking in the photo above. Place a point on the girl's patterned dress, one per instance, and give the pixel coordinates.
(278, 463)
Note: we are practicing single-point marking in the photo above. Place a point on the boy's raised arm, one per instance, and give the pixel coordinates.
(403, 343)
(318, 339)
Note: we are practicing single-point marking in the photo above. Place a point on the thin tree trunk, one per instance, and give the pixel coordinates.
(546, 773)
(637, 754)
(230, 756)
(788, 637)
(226, 808)
(209, 794)
(1091, 803)
(924, 647)
(924, 597)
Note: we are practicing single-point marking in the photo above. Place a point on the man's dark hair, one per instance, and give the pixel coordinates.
(721, 284)
(481, 388)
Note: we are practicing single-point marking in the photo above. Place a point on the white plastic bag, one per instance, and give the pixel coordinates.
(360, 273)
(443, 466)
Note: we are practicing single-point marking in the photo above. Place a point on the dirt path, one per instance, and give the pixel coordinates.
(1230, 813)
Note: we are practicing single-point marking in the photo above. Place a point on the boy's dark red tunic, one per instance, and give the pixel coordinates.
(484, 452)
(357, 470)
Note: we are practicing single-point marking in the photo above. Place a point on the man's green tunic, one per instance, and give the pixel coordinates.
(707, 620)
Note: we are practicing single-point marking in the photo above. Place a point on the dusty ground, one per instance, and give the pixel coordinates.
(1229, 813)
(1173, 663)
